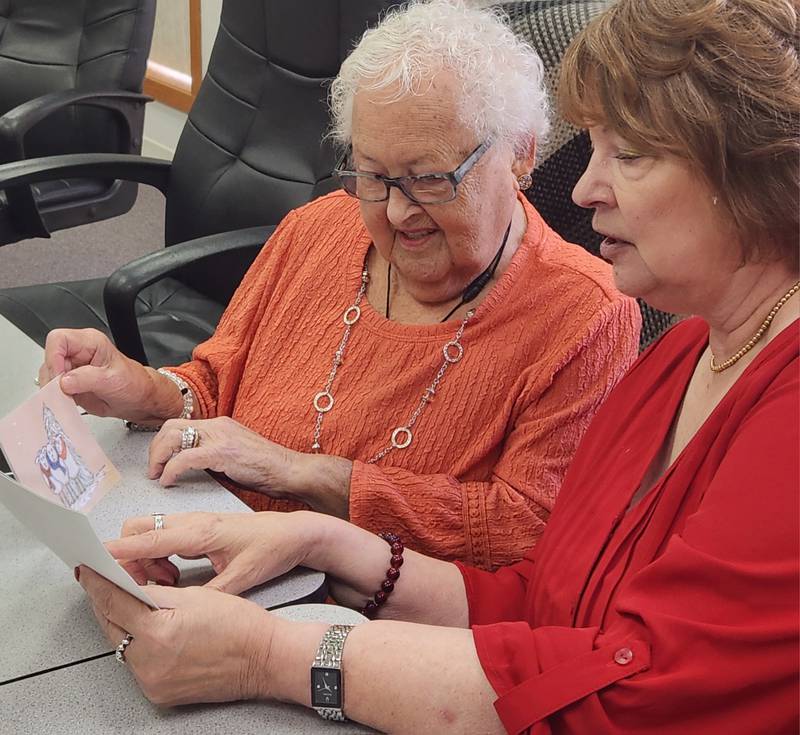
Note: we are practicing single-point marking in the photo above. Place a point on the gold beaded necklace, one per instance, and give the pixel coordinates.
(719, 367)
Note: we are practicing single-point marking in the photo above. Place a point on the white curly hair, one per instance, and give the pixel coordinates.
(501, 78)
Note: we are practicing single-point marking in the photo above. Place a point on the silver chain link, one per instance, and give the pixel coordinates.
(323, 401)
(338, 359)
(428, 393)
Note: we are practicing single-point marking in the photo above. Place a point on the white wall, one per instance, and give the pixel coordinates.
(163, 124)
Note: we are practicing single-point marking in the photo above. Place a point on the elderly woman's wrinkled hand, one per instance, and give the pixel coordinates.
(245, 549)
(224, 445)
(209, 647)
(96, 374)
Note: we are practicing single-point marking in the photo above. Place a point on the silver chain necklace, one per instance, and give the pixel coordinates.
(402, 436)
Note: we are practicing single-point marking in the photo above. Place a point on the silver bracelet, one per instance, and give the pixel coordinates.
(188, 402)
(186, 392)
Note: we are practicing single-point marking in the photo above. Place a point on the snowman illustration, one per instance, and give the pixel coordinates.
(54, 471)
(62, 467)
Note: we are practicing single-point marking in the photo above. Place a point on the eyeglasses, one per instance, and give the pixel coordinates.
(423, 189)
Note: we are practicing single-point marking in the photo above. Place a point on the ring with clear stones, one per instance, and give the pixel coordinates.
(189, 438)
(119, 652)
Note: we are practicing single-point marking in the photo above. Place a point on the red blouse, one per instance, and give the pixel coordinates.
(680, 616)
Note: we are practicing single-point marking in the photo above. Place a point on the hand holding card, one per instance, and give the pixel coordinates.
(67, 533)
(62, 473)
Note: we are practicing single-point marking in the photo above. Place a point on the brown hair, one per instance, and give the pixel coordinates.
(715, 82)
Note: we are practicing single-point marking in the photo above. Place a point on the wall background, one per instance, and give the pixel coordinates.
(163, 124)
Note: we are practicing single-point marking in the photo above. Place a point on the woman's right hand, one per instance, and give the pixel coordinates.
(104, 381)
(245, 549)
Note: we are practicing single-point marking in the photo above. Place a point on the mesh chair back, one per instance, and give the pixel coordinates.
(549, 26)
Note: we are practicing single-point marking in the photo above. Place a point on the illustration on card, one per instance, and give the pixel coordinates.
(62, 467)
(52, 452)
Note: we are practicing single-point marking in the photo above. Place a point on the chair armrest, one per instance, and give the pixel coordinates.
(17, 121)
(126, 166)
(124, 285)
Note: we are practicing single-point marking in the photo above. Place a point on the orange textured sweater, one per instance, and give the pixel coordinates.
(479, 480)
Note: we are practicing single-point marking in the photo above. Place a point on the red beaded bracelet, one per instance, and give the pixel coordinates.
(370, 609)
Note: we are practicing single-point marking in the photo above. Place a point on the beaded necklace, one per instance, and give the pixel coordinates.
(719, 367)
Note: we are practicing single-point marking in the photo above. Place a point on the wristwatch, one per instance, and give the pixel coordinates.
(327, 683)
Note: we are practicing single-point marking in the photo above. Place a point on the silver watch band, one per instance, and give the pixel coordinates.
(329, 656)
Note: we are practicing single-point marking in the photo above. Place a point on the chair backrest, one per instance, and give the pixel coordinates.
(253, 147)
(549, 26)
(53, 45)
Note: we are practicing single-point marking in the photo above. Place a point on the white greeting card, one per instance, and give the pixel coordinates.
(61, 473)
(68, 533)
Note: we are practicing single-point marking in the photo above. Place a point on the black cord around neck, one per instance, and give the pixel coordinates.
(474, 287)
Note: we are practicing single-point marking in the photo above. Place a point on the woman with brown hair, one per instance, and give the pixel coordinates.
(663, 596)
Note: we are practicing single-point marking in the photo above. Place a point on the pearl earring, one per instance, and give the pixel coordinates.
(715, 200)
(525, 181)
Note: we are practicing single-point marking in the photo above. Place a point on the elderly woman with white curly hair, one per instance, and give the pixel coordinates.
(418, 351)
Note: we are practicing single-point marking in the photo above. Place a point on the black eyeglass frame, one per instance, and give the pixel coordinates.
(455, 177)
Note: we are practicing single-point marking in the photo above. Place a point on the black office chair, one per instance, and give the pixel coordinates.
(252, 149)
(549, 26)
(70, 76)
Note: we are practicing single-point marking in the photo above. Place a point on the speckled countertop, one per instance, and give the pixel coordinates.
(45, 621)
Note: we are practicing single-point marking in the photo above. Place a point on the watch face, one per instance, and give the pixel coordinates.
(326, 687)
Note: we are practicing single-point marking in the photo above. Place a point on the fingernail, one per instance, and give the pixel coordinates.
(77, 572)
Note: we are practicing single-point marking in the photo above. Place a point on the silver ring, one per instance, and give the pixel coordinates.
(402, 431)
(119, 652)
(351, 315)
(158, 521)
(323, 395)
(36, 381)
(448, 354)
(189, 438)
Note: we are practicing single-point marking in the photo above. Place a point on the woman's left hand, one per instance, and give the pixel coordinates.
(247, 458)
(210, 647)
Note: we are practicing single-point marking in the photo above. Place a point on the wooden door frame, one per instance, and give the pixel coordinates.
(169, 91)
